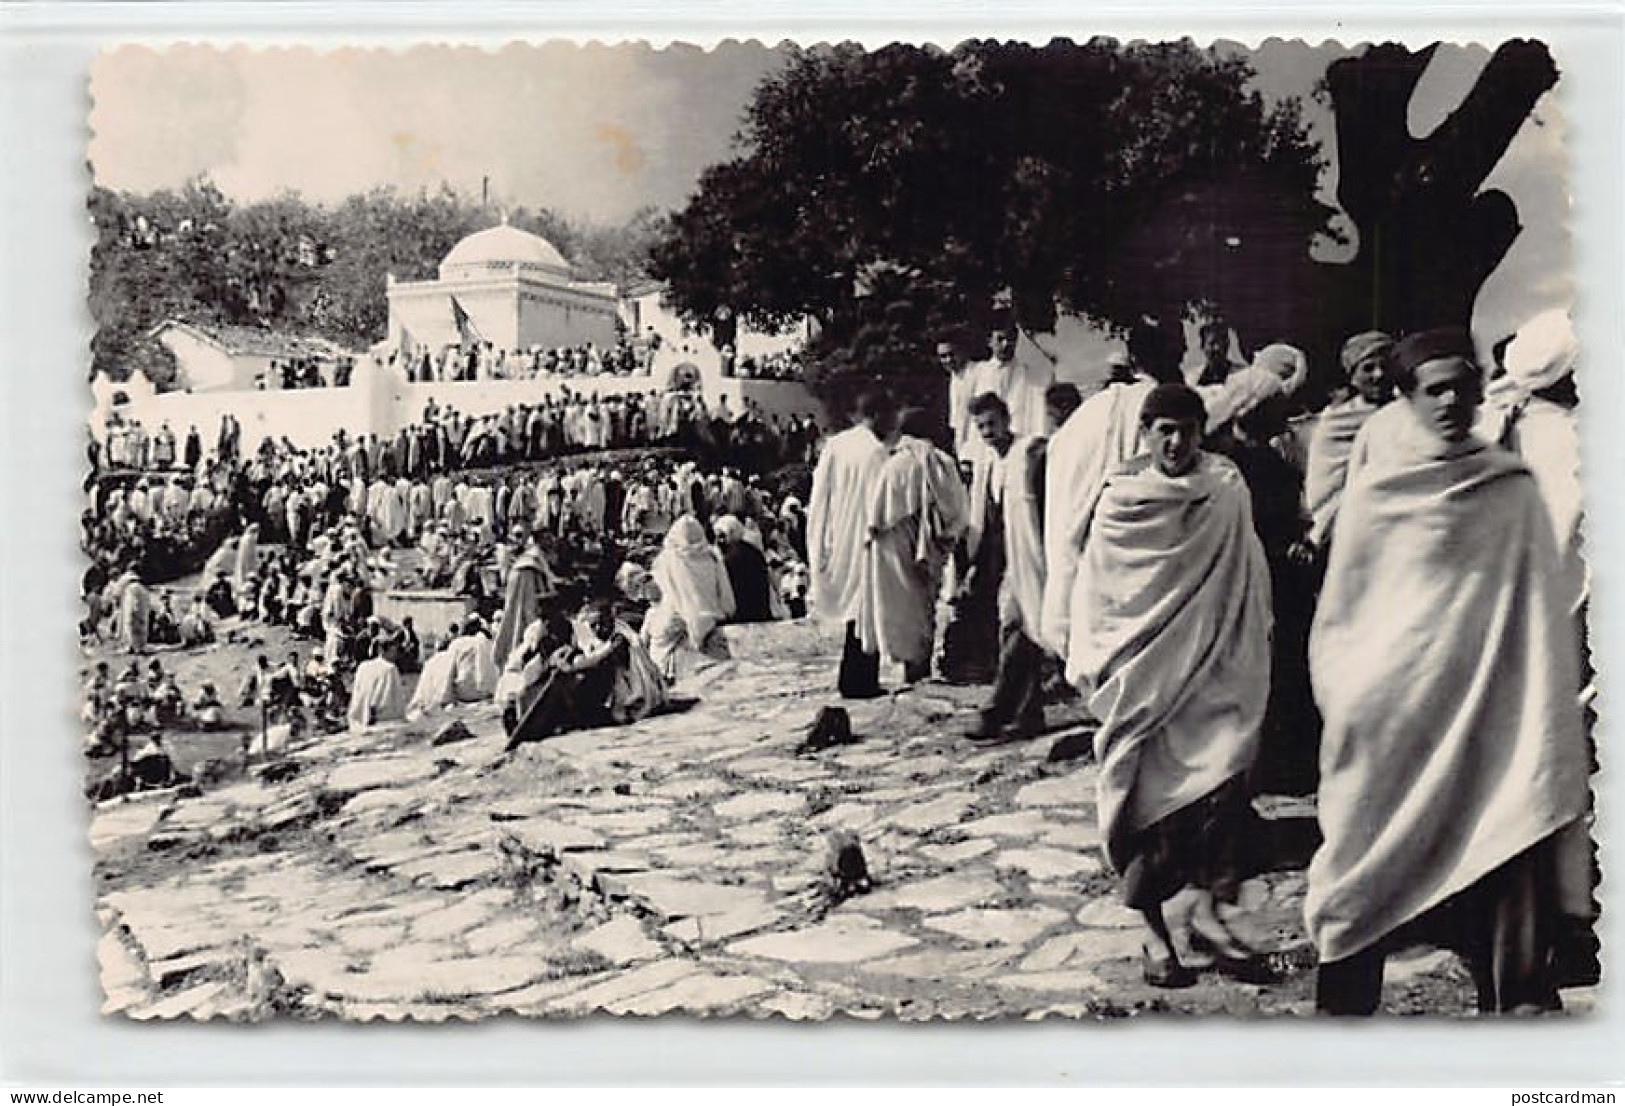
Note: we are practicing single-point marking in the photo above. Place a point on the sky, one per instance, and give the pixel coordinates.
(596, 132)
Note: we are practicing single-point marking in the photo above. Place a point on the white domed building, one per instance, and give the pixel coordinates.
(505, 286)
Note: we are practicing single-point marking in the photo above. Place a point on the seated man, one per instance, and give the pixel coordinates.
(376, 695)
(196, 628)
(436, 687)
(748, 574)
(98, 693)
(208, 712)
(152, 767)
(474, 674)
(695, 596)
(545, 644)
(607, 678)
(168, 705)
(219, 598)
(165, 627)
(408, 647)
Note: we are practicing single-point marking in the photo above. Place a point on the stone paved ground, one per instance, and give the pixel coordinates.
(674, 866)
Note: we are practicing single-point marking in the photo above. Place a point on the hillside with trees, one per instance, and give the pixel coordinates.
(290, 265)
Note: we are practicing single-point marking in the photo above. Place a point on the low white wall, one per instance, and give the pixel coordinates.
(307, 418)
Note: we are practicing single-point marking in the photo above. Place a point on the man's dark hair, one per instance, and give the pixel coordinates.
(919, 422)
(875, 404)
(986, 402)
(1150, 353)
(1063, 397)
(1173, 400)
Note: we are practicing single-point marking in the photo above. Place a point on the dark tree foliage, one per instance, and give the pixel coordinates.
(896, 196)
(290, 265)
(910, 184)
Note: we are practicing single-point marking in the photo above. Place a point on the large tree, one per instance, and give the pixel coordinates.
(1430, 233)
(995, 173)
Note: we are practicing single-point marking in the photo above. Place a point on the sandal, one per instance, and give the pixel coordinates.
(1167, 973)
(1253, 967)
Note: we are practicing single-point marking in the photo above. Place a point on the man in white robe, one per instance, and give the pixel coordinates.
(376, 694)
(1101, 435)
(917, 512)
(1444, 659)
(1365, 360)
(838, 530)
(1171, 651)
(959, 397)
(135, 613)
(695, 596)
(436, 687)
(1021, 384)
(1532, 411)
(474, 672)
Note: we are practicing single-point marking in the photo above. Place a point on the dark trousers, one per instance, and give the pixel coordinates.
(1018, 687)
(860, 672)
(1502, 925)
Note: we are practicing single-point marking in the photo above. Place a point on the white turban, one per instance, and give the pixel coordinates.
(1543, 352)
(1286, 362)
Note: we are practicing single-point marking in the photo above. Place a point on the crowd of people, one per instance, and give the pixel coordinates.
(1381, 602)
(446, 440)
(296, 373)
(159, 515)
(479, 359)
(780, 365)
(311, 536)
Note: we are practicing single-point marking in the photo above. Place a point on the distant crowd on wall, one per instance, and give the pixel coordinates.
(479, 359)
(296, 373)
(447, 440)
(783, 365)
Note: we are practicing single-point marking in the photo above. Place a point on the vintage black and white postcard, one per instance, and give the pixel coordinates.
(1076, 528)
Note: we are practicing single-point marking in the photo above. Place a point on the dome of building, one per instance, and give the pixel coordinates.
(499, 249)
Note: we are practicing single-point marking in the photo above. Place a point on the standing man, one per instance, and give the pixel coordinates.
(1170, 646)
(918, 511)
(1216, 363)
(530, 583)
(958, 373)
(1016, 708)
(1019, 385)
(1365, 360)
(1101, 435)
(838, 530)
(970, 646)
(163, 447)
(1454, 760)
(193, 450)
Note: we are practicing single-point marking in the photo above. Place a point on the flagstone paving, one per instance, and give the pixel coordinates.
(677, 865)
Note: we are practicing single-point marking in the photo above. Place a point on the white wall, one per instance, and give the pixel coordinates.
(508, 313)
(381, 402)
(307, 417)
